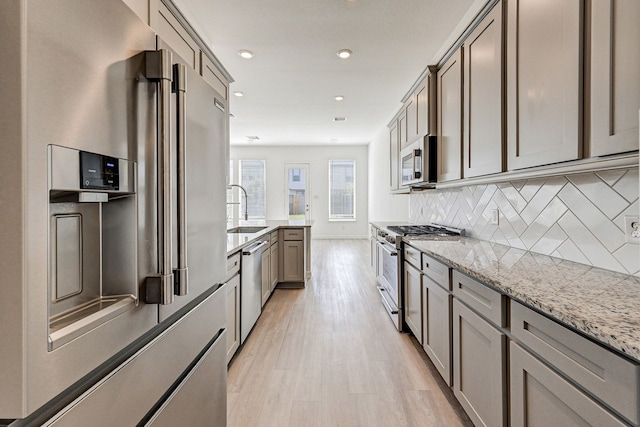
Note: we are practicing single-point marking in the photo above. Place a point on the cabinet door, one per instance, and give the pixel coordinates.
(411, 113)
(615, 86)
(402, 131)
(293, 261)
(167, 26)
(544, 75)
(483, 106)
(413, 300)
(266, 277)
(393, 156)
(450, 118)
(233, 316)
(436, 326)
(478, 367)
(273, 270)
(422, 108)
(540, 397)
(210, 73)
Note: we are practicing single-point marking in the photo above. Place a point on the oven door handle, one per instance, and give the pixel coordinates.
(386, 304)
(384, 247)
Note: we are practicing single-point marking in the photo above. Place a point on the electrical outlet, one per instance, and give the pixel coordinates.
(495, 216)
(632, 229)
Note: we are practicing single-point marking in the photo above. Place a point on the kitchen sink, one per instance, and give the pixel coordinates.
(246, 229)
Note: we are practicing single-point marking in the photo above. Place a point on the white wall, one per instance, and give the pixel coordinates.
(318, 159)
(383, 206)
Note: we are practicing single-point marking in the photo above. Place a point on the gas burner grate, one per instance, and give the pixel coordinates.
(422, 230)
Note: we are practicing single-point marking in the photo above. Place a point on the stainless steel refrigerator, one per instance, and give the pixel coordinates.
(112, 222)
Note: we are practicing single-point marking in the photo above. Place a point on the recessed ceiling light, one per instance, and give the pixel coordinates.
(344, 53)
(339, 119)
(339, 97)
(252, 138)
(246, 54)
(333, 141)
(232, 116)
(238, 93)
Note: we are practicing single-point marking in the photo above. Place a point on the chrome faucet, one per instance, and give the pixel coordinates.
(246, 212)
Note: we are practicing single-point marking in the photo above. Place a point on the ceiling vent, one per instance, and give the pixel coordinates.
(339, 119)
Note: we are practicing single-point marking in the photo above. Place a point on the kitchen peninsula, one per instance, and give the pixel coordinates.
(262, 255)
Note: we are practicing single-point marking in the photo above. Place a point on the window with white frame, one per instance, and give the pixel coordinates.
(342, 189)
(252, 178)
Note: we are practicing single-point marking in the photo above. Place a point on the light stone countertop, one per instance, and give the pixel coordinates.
(236, 241)
(601, 304)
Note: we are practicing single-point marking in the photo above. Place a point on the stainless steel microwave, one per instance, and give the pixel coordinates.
(418, 162)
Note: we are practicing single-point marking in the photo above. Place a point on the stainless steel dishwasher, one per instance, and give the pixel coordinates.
(250, 287)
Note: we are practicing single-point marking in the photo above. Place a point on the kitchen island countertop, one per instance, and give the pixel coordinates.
(601, 304)
(236, 241)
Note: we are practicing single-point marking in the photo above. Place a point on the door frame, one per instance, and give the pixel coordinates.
(306, 167)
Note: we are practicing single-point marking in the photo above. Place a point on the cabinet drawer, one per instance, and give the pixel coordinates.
(412, 256)
(293, 234)
(274, 237)
(437, 271)
(233, 264)
(481, 298)
(604, 374)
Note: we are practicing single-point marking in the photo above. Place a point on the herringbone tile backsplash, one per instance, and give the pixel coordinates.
(576, 217)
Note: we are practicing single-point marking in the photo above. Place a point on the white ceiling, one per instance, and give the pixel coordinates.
(290, 84)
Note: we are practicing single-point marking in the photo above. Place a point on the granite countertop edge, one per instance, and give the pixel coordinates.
(237, 241)
(601, 304)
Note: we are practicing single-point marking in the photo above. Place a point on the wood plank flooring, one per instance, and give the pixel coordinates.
(328, 355)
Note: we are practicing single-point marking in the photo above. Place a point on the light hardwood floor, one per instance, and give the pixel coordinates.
(328, 355)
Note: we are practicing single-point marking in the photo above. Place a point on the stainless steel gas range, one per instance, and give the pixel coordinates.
(389, 251)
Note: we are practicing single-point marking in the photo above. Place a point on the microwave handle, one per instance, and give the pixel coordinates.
(417, 160)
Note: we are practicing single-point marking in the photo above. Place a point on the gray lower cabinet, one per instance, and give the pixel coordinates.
(478, 367)
(599, 372)
(293, 255)
(541, 397)
(273, 270)
(413, 300)
(233, 316)
(436, 326)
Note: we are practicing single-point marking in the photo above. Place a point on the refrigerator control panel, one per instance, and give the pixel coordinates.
(99, 172)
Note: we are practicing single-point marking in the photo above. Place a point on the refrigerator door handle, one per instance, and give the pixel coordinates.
(180, 89)
(159, 288)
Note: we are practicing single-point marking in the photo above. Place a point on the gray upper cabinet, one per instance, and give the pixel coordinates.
(544, 82)
(449, 106)
(423, 99)
(394, 135)
(211, 75)
(483, 97)
(410, 111)
(169, 28)
(615, 84)
(402, 129)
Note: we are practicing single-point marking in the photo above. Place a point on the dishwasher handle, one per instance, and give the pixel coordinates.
(250, 250)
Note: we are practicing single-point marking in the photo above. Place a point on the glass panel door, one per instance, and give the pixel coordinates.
(297, 196)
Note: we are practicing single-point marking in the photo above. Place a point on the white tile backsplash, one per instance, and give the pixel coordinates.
(578, 217)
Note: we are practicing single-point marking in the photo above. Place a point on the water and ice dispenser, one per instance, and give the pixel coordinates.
(92, 241)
